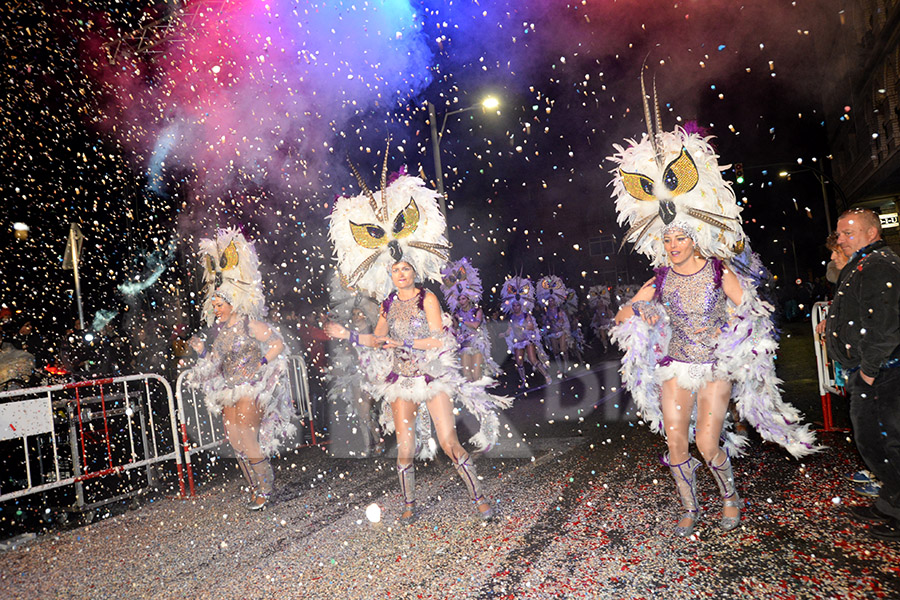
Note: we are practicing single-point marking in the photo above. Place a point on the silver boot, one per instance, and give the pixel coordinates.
(724, 476)
(407, 474)
(466, 471)
(247, 472)
(685, 476)
(266, 478)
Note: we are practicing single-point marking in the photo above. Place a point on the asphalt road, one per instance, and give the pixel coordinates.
(585, 510)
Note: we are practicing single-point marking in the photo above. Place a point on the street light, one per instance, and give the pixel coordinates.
(488, 103)
(821, 176)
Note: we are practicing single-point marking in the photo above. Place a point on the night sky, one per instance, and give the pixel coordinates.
(246, 111)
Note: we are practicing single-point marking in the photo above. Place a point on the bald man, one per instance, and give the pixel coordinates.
(863, 335)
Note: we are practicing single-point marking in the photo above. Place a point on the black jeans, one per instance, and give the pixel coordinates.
(875, 414)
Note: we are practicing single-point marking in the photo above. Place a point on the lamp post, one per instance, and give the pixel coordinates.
(820, 175)
(488, 103)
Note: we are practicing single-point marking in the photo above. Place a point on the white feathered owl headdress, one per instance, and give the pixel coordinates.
(551, 286)
(597, 295)
(673, 179)
(460, 279)
(517, 289)
(231, 271)
(369, 233)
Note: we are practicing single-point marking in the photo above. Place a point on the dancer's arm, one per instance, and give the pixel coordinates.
(265, 334)
(372, 340)
(645, 294)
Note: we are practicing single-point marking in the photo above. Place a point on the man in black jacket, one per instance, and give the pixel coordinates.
(863, 334)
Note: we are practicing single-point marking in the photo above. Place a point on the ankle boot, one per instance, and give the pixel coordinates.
(407, 475)
(266, 478)
(246, 471)
(685, 476)
(466, 471)
(521, 370)
(724, 476)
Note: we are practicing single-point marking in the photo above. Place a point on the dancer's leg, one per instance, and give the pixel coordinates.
(441, 409)
(477, 366)
(677, 406)
(468, 364)
(712, 406)
(405, 425)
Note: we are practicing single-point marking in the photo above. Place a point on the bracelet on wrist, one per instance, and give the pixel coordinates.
(354, 338)
(408, 344)
(263, 361)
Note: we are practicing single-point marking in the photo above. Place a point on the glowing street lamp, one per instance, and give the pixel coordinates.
(489, 103)
(821, 177)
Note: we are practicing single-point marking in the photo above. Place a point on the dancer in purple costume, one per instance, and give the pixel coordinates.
(242, 370)
(697, 334)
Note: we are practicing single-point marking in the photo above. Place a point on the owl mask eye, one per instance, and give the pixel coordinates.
(407, 221)
(229, 258)
(368, 235)
(545, 284)
(461, 274)
(679, 177)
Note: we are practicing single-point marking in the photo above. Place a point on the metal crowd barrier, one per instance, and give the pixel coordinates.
(78, 433)
(829, 382)
(202, 431)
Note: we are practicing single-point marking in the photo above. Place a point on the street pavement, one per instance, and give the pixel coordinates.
(585, 510)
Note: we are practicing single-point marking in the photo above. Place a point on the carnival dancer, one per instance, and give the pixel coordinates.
(696, 334)
(555, 330)
(383, 248)
(461, 286)
(523, 337)
(602, 314)
(242, 370)
(346, 379)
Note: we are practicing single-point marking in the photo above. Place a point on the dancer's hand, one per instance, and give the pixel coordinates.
(197, 344)
(336, 331)
(389, 343)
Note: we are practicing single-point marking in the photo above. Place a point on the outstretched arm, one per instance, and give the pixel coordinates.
(645, 294)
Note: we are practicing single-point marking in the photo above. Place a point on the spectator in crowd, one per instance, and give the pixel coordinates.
(863, 334)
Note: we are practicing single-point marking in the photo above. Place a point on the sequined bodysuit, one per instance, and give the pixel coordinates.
(694, 302)
(406, 321)
(239, 354)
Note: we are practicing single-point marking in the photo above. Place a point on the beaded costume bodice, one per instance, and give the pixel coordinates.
(239, 354)
(696, 307)
(407, 321)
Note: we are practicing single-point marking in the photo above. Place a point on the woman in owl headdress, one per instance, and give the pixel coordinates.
(461, 286)
(555, 328)
(697, 330)
(523, 336)
(346, 377)
(384, 247)
(600, 303)
(242, 370)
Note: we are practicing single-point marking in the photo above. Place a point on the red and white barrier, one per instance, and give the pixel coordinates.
(94, 428)
(825, 368)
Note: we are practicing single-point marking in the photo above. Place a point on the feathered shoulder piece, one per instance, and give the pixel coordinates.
(372, 231)
(517, 289)
(551, 286)
(674, 178)
(231, 271)
(460, 279)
